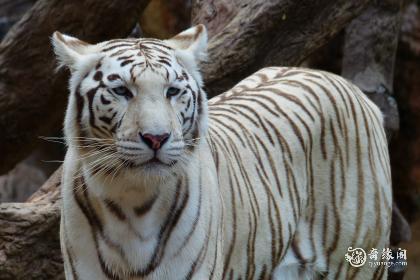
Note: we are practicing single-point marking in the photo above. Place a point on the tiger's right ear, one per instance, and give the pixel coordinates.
(70, 51)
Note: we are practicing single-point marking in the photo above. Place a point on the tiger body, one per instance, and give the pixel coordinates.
(273, 179)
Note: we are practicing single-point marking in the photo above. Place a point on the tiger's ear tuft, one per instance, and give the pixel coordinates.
(191, 48)
(69, 50)
(193, 40)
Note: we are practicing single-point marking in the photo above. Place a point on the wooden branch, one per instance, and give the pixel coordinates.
(29, 235)
(32, 97)
(10, 12)
(405, 152)
(369, 56)
(248, 35)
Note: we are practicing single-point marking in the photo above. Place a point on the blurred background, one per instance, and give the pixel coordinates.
(376, 45)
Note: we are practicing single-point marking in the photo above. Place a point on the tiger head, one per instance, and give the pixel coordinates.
(135, 104)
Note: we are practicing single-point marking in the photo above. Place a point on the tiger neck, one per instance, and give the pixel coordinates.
(152, 223)
(139, 195)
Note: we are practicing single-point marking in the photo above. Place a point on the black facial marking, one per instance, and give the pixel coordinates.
(105, 119)
(165, 62)
(98, 65)
(143, 209)
(104, 100)
(125, 57)
(185, 75)
(199, 102)
(125, 44)
(98, 76)
(108, 120)
(119, 122)
(124, 63)
(113, 77)
(90, 95)
(114, 127)
(115, 209)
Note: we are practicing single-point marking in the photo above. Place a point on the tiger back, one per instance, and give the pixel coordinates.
(303, 163)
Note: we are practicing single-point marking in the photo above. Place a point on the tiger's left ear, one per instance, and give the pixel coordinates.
(193, 40)
(70, 51)
(191, 48)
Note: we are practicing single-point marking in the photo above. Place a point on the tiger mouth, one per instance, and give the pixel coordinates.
(149, 163)
(154, 160)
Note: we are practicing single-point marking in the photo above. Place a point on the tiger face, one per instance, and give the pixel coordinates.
(135, 103)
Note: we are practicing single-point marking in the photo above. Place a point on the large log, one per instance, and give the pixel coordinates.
(369, 56)
(29, 239)
(247, 35)
(10, 12)
(32, 97)
(405, 152)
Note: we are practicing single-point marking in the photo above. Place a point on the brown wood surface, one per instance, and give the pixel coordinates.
(250, 34)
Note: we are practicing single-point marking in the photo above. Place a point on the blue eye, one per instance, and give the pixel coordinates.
(172, 91)
(123, 91)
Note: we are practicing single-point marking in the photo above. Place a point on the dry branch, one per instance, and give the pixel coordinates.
(32, 97)
(248, 35)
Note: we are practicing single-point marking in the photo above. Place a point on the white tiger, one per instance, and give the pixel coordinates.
(273, 179)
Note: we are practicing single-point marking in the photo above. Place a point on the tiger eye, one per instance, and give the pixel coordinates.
(123, 91)
(172, 91)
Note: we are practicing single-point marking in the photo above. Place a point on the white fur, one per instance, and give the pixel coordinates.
(213, 176)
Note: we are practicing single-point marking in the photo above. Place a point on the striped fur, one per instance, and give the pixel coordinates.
(273, 179)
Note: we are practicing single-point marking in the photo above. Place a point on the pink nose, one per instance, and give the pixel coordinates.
(154, 142)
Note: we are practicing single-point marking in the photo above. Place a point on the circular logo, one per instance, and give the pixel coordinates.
(356, 257)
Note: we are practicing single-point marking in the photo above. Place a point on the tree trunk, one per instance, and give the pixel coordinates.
(10, 12)
(369, 56)
(32, 97)
(248, 35)
(405, 147)
(370, 50)
(29, 239)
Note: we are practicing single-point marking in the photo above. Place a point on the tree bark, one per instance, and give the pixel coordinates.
(248, 35)
(10, 12)
(369, 56)
(405, 147)
(29, 239)
(370, 50)
(32, 97)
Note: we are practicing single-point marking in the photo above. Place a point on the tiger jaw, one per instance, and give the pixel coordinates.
(136, 155)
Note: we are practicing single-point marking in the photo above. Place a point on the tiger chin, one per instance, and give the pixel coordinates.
(273, 179)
